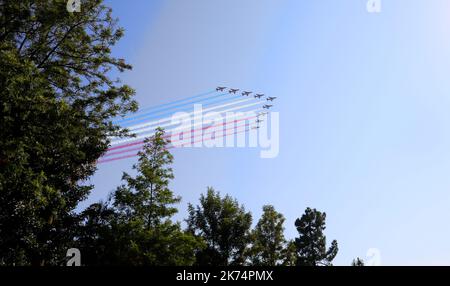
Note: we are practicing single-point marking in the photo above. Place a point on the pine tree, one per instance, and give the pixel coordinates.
(147, 195)
(141, 231)
(311, 244)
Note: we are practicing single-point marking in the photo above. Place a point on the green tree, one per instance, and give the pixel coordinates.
(140, 230)
(311, 244)
(289, 254)
(96, 236)
(268, 239)
(358, 262)
(56, 105)
(224, 225)
(147, 196)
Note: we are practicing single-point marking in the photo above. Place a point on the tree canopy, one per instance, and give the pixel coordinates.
(56, 103)
(268, 240)
(311, 243)
(225, 227)
(138, 229)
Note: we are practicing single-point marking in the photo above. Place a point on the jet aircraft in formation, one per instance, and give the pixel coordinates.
(247, 93)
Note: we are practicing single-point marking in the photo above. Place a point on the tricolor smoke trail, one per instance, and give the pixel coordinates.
(150, 126)
(153, 108)
(150, 130)
(183, 130)
(175, 146)
(170, 115)
(152, 115)
(109, 153)
(179, 107)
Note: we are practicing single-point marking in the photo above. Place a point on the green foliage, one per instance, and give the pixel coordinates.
(96, 235)
(311, 244)
(289, 254)
(224, 225)
(136, 229)
(358, 262)
(268, 239)
(147, 196)
(56, 105)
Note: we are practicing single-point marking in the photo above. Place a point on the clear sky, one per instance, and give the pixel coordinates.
(364, 112)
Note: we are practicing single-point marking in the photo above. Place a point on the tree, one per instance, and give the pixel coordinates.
(96, 236)
(358, 262)
(224, 225)
(289, 254)
(140, 230)
(311, 244)
(56, 103)
(147, 196)
(268, 238)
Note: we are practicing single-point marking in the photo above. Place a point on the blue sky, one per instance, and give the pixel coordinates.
(363, 102)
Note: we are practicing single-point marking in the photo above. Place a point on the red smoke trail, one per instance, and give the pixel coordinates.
(170, 147)
(166, 136)
(139, 148)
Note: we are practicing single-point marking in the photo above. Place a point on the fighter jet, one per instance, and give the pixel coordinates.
(232, 90)
(266, 106)
(246, 93)
(270, 98)
(221, 88)
(259, 121)
(261, 114)
(258, 95)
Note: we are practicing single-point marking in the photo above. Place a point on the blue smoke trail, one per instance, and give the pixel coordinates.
(168, 104)
(177, 101)
(167, 108)
(183, 110)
